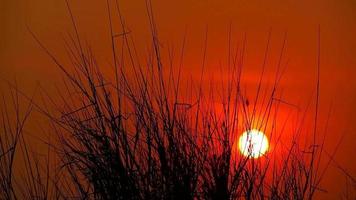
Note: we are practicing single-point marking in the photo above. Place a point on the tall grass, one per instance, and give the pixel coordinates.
(137, 134)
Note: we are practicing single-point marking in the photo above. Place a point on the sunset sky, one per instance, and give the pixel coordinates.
(23, 60)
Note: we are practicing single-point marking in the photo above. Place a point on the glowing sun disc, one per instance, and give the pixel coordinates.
(253, 143)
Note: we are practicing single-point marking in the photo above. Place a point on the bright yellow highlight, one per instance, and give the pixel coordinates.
(253, 143)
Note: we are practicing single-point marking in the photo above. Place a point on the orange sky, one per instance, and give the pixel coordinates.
(21, 57)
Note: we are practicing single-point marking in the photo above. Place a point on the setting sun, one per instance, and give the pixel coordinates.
(253, 143)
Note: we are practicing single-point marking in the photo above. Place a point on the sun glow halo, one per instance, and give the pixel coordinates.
(253, 143)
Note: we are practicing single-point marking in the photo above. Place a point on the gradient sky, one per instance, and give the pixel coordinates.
(21, 58)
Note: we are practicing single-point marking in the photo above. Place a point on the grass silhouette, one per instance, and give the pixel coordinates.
(137, 134)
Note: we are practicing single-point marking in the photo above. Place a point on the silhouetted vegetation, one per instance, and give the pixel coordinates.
(145, 132)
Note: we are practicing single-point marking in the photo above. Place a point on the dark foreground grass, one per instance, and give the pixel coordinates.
(137, 134)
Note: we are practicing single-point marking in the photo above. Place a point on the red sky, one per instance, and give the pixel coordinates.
(21, 57)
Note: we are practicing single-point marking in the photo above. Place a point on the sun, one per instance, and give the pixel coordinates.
(253, 143)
